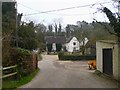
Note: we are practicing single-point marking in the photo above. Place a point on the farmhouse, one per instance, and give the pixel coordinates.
(108, 58)
(72, 44)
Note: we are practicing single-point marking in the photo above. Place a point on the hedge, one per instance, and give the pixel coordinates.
(25, 60)
(73, 57)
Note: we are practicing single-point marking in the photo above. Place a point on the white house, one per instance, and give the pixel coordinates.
(72, 44)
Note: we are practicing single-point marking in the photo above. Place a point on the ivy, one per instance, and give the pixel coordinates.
(114, 22)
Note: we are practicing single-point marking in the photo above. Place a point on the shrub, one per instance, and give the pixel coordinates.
(60, 55)
(19, 57)
(25, 60)
(24, 51)
(49, 47)
(39, 57)
(58, 47)
(73, 57)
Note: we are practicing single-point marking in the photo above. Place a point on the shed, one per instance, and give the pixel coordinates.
(108, 58)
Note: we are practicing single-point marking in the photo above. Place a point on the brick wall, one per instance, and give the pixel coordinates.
(30, 63)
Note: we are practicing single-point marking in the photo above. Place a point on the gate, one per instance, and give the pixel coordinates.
(107, 61)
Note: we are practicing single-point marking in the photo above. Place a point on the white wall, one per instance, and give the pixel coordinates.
(114, 46)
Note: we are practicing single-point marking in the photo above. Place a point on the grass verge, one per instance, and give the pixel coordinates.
(7, 85)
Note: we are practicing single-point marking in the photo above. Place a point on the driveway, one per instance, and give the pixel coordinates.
(67, 74)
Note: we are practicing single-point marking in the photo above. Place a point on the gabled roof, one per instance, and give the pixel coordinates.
(69, 39)
(55, 39)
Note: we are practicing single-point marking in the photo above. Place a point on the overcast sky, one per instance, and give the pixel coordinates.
(69, 16)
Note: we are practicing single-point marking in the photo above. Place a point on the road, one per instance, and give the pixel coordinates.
(67, 74)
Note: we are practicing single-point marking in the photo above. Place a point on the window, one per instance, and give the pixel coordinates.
(74, 43)
(74, 49)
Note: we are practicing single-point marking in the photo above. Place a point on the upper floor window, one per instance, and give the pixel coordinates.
(74, 43)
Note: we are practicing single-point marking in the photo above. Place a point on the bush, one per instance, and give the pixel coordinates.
(39, 57)
(58, 47)
(20, 57)
(49, 47)
(25, 60)
(60, 55)
(73, 57)
(24, 51)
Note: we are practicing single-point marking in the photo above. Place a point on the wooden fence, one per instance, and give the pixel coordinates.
(9, 74)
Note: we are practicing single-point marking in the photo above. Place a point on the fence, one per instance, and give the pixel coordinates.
(13, 68)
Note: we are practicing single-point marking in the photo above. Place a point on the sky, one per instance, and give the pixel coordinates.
(87, 10)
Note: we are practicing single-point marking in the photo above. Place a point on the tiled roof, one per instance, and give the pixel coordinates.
(55, 39)
(69, 39)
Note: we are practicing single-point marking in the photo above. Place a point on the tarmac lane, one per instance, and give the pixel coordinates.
(67, 74)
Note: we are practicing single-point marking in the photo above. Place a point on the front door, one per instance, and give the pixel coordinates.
(107, 61)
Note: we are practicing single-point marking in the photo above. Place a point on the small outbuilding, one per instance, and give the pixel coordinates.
(108, 58)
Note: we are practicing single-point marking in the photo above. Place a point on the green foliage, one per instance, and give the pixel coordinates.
(74, 57)
(27, 36)
(49, 47)
(24, 51)
(40, 36)
(39, 57)
(8, 17)
(17, 83)
(58, 47)
(23, 59)
(114, 22)
(20, 56)
(60, 55)
(8, 29)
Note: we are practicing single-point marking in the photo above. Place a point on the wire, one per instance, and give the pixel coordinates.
(28, 7)
(71, 14)
(54, 13)
(62, 9)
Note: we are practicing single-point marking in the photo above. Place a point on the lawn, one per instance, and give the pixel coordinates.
(15, 84)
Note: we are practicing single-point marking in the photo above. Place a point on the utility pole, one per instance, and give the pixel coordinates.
(16, 27)
(119, 8)
(0, 45)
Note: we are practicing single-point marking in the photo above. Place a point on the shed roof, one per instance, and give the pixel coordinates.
(108, 41)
